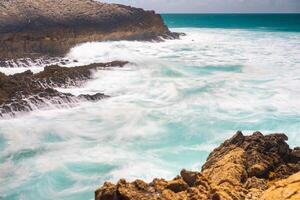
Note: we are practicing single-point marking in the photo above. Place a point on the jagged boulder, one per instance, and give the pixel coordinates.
(243, 167)
(242, 159)
(192, 185)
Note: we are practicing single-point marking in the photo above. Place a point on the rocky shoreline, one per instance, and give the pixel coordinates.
(34, 28)
(42, 32)
(26, 91)
(254, 167)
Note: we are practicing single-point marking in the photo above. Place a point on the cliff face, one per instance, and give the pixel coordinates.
(243, 168)
(31, 28)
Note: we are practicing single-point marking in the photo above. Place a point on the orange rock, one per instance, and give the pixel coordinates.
(287, 189)
(240, 169)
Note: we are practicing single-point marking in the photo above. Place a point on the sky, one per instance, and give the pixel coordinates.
(214, 6)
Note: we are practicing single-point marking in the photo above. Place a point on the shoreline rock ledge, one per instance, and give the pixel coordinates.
(35, 28)
(26, 91)
(254, 167)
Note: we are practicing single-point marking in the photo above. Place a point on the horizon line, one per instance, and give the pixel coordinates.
(228, 13)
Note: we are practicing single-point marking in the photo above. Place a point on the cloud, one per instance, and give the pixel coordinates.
(212, 6)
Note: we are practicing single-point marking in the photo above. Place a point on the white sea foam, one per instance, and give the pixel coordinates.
(170, 107)
(14, 70)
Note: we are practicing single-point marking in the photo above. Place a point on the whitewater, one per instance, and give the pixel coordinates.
(169, 108)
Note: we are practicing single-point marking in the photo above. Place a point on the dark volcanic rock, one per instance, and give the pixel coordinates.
(56, 76)
(39, 61)
(31, 28)
(242, 168)
(26, 91)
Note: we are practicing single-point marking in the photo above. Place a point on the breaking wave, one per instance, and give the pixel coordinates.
(170, 107)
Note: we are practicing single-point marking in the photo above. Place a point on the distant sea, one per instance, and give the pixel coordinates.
(169, 108)
(272, 22)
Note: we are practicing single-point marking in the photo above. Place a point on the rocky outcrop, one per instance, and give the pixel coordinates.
(34, 28)
(243, 167)
(56, 76)
(26, 91)
(249, 162)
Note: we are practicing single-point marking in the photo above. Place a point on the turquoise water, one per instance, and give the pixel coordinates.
(273, 22)
(170, 107)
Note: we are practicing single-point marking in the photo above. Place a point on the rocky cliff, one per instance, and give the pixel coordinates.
(33, 28)
(254, 167)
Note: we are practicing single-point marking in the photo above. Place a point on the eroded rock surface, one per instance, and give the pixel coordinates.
(33, 28)
(243, 167)
(26, 91)
(248, 160)
(287, 189)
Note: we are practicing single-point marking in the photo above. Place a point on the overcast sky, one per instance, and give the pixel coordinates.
(214, 6)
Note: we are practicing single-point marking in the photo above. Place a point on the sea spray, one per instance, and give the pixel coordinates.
(169, 108)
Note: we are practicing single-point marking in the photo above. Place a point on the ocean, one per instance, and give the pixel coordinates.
(170, 107)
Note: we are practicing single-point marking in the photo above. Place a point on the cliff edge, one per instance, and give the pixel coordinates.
(254, 167)
(33, 28)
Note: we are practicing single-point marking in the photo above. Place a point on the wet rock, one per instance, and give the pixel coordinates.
(33, 61)
(95, 97)
(24, 92)
(243, 167)
(34, 28)
(56, 76)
